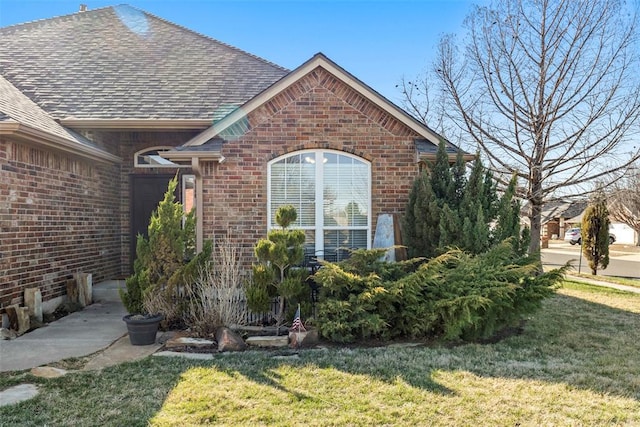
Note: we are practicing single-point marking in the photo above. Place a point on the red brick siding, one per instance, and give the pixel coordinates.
(58, 216)
(318, 111)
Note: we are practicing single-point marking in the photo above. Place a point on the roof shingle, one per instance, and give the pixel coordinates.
(17, 107)
(122, 63)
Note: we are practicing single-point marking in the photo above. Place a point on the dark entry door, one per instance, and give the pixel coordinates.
(146, 192)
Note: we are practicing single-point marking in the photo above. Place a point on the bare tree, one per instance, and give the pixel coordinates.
(624, 200)
(549, 90)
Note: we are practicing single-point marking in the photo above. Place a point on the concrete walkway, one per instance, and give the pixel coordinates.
(98, 327)
(605, 284)
(76, 335)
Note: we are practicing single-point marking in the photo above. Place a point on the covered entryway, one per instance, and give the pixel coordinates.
(146, 191)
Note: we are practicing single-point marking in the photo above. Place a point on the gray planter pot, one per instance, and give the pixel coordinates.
(142, 329)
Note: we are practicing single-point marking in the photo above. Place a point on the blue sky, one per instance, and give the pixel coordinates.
(379, 41)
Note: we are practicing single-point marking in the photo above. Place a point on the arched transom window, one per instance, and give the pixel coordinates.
(150, 158)
(331, 192)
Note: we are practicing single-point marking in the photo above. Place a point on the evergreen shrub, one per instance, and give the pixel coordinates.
(166, 262)
(277, 275)
(453, 296)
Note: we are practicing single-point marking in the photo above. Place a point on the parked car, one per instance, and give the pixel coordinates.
(574, 236)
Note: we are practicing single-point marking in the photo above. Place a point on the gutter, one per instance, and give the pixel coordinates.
(35, 136)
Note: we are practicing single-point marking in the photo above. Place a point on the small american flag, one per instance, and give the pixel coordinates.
(297, 325)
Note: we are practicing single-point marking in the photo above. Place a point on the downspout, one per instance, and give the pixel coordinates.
(195, 166)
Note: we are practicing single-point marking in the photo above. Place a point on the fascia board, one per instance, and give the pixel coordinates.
(8, 127)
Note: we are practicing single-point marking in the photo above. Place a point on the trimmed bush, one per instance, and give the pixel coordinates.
(276, 273)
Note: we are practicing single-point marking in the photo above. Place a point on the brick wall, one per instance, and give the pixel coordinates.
(318, 111)
(58, 215)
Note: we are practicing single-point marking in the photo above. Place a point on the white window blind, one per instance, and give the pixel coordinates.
(331, 192)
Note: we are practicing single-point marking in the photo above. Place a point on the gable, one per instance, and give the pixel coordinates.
(318, 72)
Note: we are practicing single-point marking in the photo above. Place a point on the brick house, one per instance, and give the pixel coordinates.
(99, 109)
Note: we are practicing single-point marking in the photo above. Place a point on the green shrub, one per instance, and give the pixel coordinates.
(454, 296)
(275, 274)
(166, 262)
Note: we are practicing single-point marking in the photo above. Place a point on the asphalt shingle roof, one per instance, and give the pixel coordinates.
(123, 63)
(17, 107)
(427, 147)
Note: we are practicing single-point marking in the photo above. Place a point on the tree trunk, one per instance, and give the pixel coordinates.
(535, 217)
(535, 210)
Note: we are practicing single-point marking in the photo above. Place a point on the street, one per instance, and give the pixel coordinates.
(623, 261)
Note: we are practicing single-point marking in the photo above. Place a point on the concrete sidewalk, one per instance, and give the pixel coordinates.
(76, 335)
(604, 284)
(79, 334)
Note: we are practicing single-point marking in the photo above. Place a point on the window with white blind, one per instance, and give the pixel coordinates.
(331, 192)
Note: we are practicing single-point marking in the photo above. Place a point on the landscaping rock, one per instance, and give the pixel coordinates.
(229, 340)
(33, 300)
(194, 356)
(48, 372)
(259, 330)
(18, 318)
(85, 288)
(188, 342)
(17, 394)
(269, 341)
(305, 339)
(72, 291)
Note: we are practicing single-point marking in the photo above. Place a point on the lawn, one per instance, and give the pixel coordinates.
(576, 363)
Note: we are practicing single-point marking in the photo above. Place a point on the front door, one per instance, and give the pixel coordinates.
(146, 192)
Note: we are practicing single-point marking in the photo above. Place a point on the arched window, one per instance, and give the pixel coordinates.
(150, 158)
(331, 192)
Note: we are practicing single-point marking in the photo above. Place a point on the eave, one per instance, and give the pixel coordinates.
(137, 124)
(24, 133)
(431, 157)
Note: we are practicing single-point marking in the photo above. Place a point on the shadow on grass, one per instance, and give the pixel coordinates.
(573, 341)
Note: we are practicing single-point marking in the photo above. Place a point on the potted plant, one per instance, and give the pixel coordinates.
(165, 260)
(142, 325)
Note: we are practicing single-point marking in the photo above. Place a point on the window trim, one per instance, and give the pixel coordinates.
(319, 226)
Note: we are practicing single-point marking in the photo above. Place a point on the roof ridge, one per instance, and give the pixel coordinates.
(228, 46)
(163, 20)
(53, 18)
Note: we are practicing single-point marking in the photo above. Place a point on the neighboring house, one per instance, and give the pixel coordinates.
(556, 217)
(99, 109)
